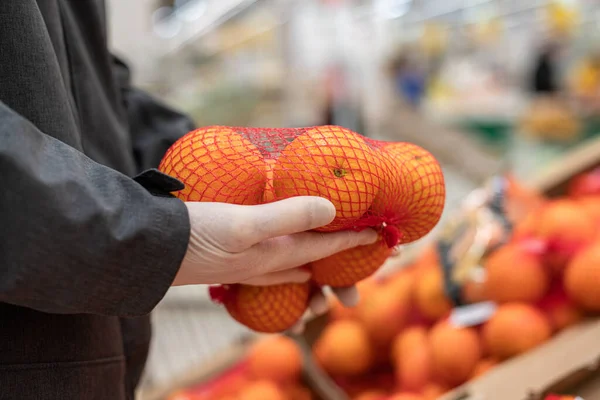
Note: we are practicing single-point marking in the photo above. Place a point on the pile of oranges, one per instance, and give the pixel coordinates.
(400, 342)
(270, 370)
(395, 188)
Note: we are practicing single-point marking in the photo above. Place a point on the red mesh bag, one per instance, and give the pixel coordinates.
(395, 188)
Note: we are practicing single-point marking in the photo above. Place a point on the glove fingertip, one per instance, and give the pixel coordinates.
(349, 297)
(298, 328)
(318, 304)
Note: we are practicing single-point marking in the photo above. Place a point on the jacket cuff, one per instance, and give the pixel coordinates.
(158, 183)
(168, 239)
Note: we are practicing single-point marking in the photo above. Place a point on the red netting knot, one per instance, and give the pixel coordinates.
(218, 294)
(553, 397)
(369, 221)
(386, 225)
(391, 235)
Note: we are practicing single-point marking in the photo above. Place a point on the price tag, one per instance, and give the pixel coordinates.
(472, 314)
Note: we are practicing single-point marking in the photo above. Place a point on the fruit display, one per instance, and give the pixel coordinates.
(270, 369)
(395, 188)
(562, 18)
(408, 338)
(551, 119)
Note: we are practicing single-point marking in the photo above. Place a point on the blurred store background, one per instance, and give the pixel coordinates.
(485, 85)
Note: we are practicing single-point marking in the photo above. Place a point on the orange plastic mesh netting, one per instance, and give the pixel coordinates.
(395, 188)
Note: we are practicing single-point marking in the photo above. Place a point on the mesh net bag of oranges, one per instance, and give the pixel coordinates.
(396, 188)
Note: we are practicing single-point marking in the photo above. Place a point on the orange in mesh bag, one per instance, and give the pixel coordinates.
(395, 188)
(414, 194)
(350, 266)
(217, 164)
(334, 163)
(267, 309)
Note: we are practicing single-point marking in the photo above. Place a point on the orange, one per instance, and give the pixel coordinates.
(277, 358)
(334, 163)
(298, 392)
(483, 367)
(582, 278)
(216, 164)
(430, 296)
(455, 352)
(262, 390)
(429, 255)
(267, 309)
(565, 220)
(181, 395)
(371, 395)
(513, 274)
(350, 266)
(428, 259)
(269, 193)
(411, 357)
(526, 227)
(591, 204)
(514, 329)
(368, 286)
(383, 315)
(231, 385)
(364, 288)
(414, 195)
(344, 348)
(409, 337)
(567, 227)
(406, 396)
(338, 311)
(403, 283)
(433, 391)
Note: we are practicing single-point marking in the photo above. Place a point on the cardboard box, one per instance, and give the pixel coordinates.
(567, 364)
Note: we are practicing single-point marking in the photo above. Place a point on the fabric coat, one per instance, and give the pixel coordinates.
(90, 237)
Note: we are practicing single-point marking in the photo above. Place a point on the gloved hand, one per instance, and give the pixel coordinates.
(263, 244)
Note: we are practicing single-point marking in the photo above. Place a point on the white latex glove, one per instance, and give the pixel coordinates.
(263, 244)
(319, 305)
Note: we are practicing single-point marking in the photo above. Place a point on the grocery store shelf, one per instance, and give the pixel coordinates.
(217, 13)
(185, 338)
(451, 147)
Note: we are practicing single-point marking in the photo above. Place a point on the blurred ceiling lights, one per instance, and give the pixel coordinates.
(190, 11)
(188, 20)
(167, 22)
(163, 24)
(392, 9)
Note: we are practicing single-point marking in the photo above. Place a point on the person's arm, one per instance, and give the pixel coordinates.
(78, 237)
(153, 125)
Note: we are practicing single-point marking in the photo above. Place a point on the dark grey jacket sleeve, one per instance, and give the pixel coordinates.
(153, 125)
(78, 237)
